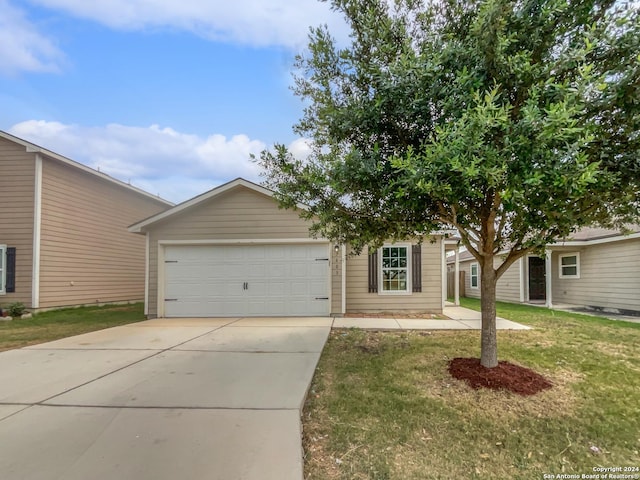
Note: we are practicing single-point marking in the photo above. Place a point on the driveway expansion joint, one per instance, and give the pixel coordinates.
(157, 352)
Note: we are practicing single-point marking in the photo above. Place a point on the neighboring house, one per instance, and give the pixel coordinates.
(63, 231)
(233, 252)
(596, 268)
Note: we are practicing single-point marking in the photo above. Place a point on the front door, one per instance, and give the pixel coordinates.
(537, 281)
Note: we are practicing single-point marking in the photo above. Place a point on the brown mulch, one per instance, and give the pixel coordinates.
(506, 376)
(396, 315)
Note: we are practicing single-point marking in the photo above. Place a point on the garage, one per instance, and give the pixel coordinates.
(246, 280)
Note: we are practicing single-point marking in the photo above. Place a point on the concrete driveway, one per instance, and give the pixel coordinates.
(162, 399)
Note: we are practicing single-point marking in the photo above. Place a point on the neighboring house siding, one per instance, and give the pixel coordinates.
(466, 268)
(507, 288)
(609, 276)
(87, 255)
(17, 181)
(430, 299)
(238, 214)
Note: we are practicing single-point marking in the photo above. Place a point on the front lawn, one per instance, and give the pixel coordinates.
(55, 324)
(383, 406)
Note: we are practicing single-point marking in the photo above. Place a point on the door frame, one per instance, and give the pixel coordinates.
(544, 278)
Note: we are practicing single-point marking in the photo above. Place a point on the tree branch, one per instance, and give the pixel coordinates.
(514, 254)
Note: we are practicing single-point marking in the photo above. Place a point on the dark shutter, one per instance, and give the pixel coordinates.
(373, 272)
(11, 270)
(416, 267)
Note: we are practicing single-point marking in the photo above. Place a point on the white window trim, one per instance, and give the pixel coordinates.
(381, 290)
(577, 265)
(3, 272)
(477, 275)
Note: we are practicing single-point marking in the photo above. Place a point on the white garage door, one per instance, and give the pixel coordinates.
(243, 280)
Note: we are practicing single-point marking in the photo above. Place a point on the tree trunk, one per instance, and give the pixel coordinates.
(489, 340)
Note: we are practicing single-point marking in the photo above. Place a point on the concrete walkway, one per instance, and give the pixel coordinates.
(460, 318)
(214, 399)
(611, 314)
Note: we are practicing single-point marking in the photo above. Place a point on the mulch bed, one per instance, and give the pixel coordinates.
(395, 315)
(506, 376)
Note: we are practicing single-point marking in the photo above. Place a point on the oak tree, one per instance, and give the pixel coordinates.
(514, 122)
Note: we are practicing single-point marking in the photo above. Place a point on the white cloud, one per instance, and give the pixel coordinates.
(248, 22)
(175, 165)
(22, 47)
(300, 148)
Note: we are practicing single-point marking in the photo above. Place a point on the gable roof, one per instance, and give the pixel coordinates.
(214, 192)
(584, 237)
(594, 233)
(33, 148)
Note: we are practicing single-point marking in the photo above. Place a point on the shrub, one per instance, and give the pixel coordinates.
(16, 309)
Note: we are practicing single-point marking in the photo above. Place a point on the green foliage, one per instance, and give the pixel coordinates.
(514, 122)
(16, 309)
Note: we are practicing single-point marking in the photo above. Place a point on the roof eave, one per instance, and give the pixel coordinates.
(33, 148)
(214, 192)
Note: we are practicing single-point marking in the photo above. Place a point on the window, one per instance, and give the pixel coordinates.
(395, 268)
(570, 265)
(474, 275)
(408, 273)
(3, 269)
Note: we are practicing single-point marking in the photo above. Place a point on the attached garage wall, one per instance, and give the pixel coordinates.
(238, 215)
(429, 300)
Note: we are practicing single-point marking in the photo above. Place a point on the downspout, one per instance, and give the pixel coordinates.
(37, 233)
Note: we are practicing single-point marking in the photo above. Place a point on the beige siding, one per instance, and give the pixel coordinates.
(87, 255)
(609, 276)
(238, 214)
(508, 287)
(466, 267)
(17, 180)
(429, 300)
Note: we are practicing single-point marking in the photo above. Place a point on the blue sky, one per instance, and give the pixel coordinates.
(172, 95)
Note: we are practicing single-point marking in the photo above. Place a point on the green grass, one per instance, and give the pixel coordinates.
(55, 324)
(383, 406)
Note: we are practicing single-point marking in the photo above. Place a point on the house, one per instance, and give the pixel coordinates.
(596, 269)
(233, 252)
(63, 231)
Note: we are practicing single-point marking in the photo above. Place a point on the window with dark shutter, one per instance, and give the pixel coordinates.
(373, 272)
(416, 267)
(11, 270)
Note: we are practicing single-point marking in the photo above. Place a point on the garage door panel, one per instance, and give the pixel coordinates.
(277, 289)
(243, 280)
(257, 271)
(255, 289)
(278, 270)
(254, 253)
(317, 289)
